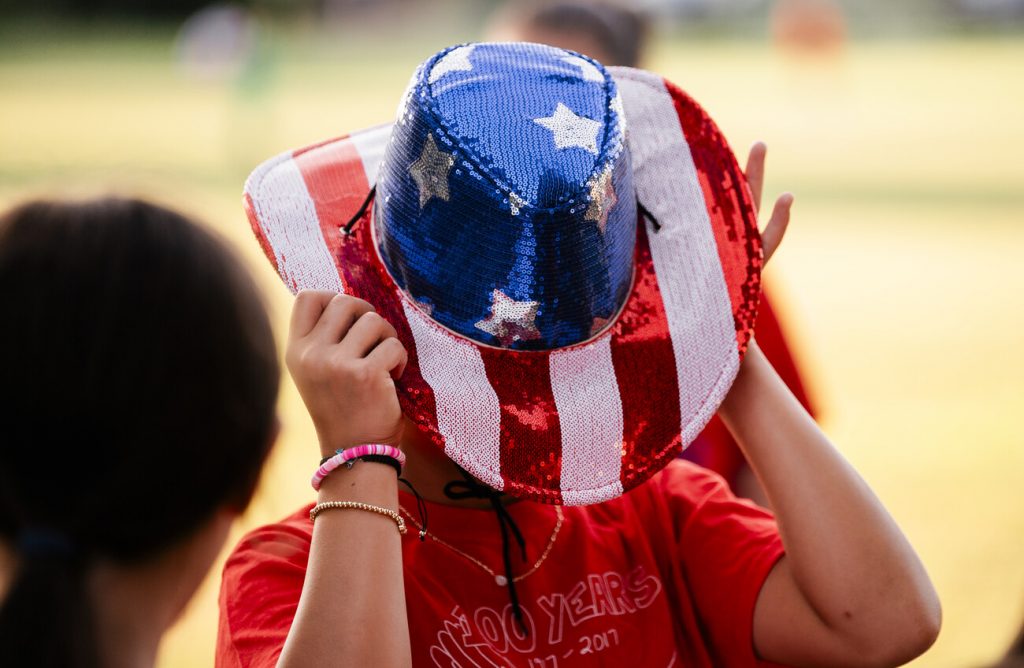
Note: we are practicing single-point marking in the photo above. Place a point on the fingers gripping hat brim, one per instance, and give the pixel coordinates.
(576, 425)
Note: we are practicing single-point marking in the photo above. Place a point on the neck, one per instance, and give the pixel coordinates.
(8, 564)
(134, 604)
(428, 469)
(131, 611)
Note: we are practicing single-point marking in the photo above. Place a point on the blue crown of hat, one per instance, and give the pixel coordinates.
(505, 205)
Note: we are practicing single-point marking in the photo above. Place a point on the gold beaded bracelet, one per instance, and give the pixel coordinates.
(356, 505)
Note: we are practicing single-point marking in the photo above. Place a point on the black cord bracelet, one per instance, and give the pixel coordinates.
(379, 459)
(384, 459)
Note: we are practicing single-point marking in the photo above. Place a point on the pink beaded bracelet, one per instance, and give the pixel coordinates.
(349, 456)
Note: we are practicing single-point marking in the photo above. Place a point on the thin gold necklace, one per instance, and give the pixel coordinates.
(499, 579)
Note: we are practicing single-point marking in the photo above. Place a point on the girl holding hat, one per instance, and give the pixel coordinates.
(547, 293)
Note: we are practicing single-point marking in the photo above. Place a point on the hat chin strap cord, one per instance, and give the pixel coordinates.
(469, 488)
(649, 216)
(346, 229)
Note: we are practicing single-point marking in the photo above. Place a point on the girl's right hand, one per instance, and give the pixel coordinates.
(344, 359)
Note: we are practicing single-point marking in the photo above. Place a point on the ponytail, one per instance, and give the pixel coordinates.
(45, 619)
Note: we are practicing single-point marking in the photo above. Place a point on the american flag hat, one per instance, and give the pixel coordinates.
(568, 252)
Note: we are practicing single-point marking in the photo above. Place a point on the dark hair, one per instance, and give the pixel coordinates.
(621, 32)
(139, 382)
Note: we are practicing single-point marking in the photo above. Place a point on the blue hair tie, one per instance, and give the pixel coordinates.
(41, 542)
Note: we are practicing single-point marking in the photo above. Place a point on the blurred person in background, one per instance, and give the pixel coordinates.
(614, 34)
(610, 33)
(225, 45)
(138, 405)
(809, 27)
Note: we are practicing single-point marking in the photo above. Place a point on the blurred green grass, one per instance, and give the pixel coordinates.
(900, 275)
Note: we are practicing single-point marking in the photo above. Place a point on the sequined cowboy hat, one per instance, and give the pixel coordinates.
(568, 252)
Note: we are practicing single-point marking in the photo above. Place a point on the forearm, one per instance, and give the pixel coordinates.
(846, 555)
(352, 610)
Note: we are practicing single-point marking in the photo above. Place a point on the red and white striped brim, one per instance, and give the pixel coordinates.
(576, 425)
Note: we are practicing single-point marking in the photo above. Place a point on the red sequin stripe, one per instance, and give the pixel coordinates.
(257, 229)
(531, 436)
(336, 180)
(730, 208)
(645, 366)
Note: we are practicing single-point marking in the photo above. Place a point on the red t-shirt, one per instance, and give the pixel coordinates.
(666, 575)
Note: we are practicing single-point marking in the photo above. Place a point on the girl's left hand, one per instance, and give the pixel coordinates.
(772, 233)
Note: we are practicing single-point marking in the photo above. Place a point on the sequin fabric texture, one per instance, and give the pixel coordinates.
(469, 245)
(505, 204)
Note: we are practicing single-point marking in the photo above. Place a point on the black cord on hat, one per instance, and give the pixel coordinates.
(346, 229)
(649, 216)
(471, 489)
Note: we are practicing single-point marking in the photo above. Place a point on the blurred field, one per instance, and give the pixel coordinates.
(901, 274)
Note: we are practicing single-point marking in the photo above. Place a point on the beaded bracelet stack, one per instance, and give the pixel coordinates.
(349, 456)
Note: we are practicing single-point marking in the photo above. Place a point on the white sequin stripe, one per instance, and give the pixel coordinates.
(468, 412)
(684, 250)
(287, 215)
(370, 144)
(590, 415)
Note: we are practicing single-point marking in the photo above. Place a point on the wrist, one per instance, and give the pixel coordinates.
(368, 482)
(741, 393)
(332, 443)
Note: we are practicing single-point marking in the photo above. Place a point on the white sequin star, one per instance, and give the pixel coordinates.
(455, 60)
(510, 321)
(570, 130)
(430, 172)
(589, 71)
(602, 199)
